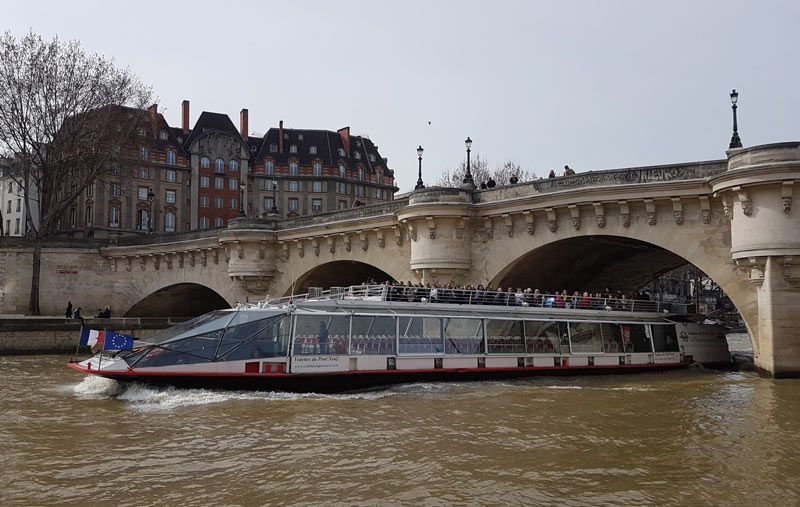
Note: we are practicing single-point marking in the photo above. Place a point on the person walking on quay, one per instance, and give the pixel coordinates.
(77, 315)
(68, 313)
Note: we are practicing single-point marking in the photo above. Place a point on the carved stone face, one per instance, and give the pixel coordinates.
(218, 145)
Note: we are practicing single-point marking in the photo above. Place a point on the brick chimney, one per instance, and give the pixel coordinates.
(345, 134)
(185, 109)
(280, 137)
(243, 125)
(154, 119)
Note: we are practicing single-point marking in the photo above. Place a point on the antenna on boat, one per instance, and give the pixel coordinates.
(291, 295)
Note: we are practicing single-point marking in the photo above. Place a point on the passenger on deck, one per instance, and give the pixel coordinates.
(322, 339)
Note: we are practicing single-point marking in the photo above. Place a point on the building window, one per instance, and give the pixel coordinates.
(361, 190)
(357, 155)
(204, 222)
(342, 171)
(115, 190)
(169, 222)
(113, 217)
(205, 162)
(144, 153)
(219, 202)
(114, 167)
(372, 157)
(341, 152)
(360, 174)
(234, 203)
(219, 182)
(379, 178)
(268, 202)
(219, 222)
(89, 216)
(90, 190)
(8, 207)
(204, 201)
(16, 225)
(205, 181)
(273, 148)
(170, 157)
(19, 205)
(163, 135)
(342, 205)
(378, 193)
(141, 131)
(293, 148)
(144, 172)
(316, 205)
(233, 184)
(312, 150)
(219, 165)
(293, 169)
(294, 186)
(269, 167)
(233, 165)
(317, 169)
(72, 217)
(172, 175)
(142, 193)
(293, 204)
(342, 188)
(170, 197)
(316, 186)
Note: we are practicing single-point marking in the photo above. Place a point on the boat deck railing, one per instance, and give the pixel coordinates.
(401, 293)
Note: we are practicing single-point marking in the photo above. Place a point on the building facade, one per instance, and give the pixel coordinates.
(13, 212)
(172, 179)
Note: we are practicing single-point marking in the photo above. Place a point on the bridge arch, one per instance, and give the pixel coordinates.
(178, 300)
(338, 274)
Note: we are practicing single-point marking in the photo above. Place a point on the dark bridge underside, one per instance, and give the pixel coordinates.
(339, 274)
(591, 263)
(180, 300)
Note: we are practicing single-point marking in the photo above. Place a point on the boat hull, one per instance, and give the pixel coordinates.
(337, 382)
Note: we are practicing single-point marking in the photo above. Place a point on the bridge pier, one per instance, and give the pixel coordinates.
(778, 320)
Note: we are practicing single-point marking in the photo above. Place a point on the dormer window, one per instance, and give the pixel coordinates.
(312, 150)
(293, 148)
(372, 157)
(141, 131)
(299, 137)
(163, 135)
(357, 155)
(273, 148)
(341, 152)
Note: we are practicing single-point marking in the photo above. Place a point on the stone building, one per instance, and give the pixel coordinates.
(13, 212)
(173, 179)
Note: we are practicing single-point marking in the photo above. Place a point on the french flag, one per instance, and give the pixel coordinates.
(91, 337)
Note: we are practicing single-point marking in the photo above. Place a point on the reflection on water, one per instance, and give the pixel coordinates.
(690, 437)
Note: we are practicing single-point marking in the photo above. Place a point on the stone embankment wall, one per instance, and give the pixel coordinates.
(48, 335)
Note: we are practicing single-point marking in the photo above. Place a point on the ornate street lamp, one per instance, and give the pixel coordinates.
(241, 201)
(274, 209)
(420, 185)
(736, 142)
(468, 176)
(150, 197)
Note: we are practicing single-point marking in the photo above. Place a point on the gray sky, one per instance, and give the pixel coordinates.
(596, 85)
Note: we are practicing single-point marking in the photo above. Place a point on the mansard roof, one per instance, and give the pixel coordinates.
(328, 144)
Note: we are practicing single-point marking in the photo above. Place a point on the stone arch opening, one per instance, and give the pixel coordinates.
(591, 263)
(339, 274)
(179, 300)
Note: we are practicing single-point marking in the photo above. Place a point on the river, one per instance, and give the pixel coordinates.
(689, 437)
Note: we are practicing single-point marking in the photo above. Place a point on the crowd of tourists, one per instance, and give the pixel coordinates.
(489, 295)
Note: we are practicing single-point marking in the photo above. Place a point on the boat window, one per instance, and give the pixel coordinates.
(373, 334)
(504, 337)
(585, 337)
(546, 337)
(420, 335)
(209, 321)
(612, 338)
(664, 338)
(194, 349)
(321, 334)
(266, 337)
(463, 336)
(635, 339)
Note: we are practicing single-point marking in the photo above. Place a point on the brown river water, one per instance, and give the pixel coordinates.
(688, 437)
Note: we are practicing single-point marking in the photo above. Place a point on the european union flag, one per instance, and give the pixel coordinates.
(116, 341)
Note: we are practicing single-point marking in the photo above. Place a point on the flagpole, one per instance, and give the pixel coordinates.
(78, 347)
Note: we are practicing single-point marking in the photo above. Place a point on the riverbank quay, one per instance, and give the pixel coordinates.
(21, 335)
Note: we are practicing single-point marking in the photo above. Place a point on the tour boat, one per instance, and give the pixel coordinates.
(358, 337)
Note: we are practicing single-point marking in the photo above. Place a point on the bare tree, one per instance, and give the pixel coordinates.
(63, 115)
(479, 167)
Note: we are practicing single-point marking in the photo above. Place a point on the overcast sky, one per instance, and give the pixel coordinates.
(596, 85)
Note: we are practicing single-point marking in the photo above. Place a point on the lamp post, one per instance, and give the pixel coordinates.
(468, 176)
(241, 201)
(420, 185)
(150, 197)
(274, 209)
(736, 142)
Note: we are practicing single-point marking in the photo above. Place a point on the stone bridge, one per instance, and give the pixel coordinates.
(734, 219)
